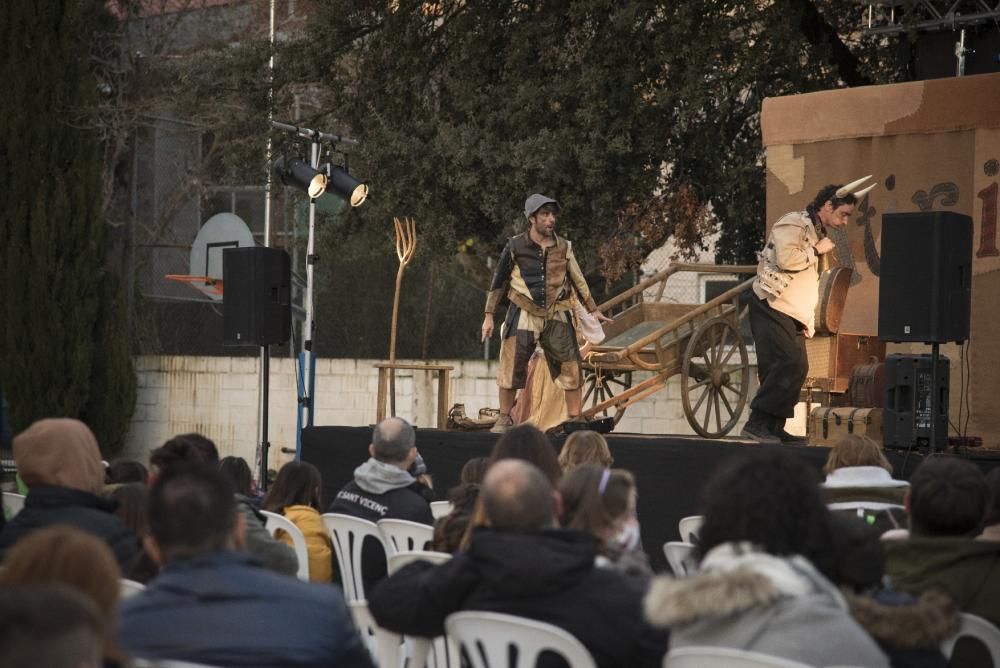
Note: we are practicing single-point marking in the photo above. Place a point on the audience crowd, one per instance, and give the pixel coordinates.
(857, 569)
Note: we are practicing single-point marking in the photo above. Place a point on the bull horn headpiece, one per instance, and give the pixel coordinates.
(852, 188)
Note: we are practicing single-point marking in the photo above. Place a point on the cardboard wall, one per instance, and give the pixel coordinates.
(932, 145)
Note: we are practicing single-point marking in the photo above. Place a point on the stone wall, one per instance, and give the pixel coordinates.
(218, 397)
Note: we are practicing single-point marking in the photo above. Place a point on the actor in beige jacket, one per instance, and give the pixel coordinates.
(783, 306)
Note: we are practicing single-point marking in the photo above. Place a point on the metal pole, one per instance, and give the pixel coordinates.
(270, 148)
(308, 368)
(265, 375)
(265, 352)
(960, 52)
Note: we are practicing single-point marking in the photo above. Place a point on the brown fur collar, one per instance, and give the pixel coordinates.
(673, 601)
(925, 623)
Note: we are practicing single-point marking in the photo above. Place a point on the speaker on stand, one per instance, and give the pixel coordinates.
(256, 311)
(925, 295)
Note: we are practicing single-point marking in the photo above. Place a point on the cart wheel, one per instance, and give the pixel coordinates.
(715, 378)
(599, 385)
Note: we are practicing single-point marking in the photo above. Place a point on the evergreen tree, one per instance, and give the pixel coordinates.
(63, 330)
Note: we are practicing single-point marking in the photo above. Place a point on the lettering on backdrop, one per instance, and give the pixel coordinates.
(988, 213)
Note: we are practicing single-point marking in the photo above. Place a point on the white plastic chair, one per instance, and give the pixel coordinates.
(276, 522)
(724, 657)
(689, 527)
(403, 535)
(421, 652)
(400, 559)
(348, 535)
(129, 588)
(438, 652)
(441, 509)
(680, 556)
(383, 645)
(874, 506)
(12, 503)
(981, 630)
(487, 638)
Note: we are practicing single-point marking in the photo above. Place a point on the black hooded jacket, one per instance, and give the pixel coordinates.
(546, 575)
(48, 505)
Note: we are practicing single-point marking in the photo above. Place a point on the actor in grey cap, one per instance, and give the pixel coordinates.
(538, 273)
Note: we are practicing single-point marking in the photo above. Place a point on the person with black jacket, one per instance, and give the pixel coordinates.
(384, 488)
(521, 564)
(58, 459)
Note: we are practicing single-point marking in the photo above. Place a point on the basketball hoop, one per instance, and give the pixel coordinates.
(208, 286)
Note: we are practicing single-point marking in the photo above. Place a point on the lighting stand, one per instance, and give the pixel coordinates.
(306, 378)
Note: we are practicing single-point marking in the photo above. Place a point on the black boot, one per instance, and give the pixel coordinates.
(759, 427)
(784, 436)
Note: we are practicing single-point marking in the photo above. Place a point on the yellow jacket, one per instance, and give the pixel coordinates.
(318, 543)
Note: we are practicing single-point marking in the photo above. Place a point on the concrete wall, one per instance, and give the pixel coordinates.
(218, 397)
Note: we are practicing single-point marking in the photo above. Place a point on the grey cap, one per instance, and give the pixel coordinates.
(536, 202)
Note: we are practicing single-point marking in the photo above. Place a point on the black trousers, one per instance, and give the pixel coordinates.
(782, 364)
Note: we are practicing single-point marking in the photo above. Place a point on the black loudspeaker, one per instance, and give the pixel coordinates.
(925, 282)
(909, 386)
(256, 304)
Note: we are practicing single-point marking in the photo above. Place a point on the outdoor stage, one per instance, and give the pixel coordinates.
(669, 470)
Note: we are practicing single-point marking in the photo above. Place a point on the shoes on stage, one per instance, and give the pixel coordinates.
(759, 433)
(503, 423)
(791, 439)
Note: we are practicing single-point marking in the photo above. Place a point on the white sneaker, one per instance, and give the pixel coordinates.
(503, 423)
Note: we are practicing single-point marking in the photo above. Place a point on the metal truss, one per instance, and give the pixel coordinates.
(882, 17)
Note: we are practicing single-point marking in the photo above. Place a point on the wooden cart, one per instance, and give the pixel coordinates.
(702, 342)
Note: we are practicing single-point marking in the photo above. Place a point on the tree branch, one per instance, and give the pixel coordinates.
(817, 31)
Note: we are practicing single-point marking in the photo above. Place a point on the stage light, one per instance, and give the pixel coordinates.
(345, 185)
(296, 172)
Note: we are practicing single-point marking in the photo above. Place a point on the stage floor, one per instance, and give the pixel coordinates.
(670, 471)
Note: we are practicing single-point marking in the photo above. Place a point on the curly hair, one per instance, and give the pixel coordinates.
(772, 499)
(828, 193)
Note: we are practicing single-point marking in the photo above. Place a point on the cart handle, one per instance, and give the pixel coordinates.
(671, 269)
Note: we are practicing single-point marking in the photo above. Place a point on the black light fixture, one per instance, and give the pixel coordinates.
(343, 184)
(296, 172)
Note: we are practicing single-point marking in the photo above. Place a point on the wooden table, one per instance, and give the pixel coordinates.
(444, 384)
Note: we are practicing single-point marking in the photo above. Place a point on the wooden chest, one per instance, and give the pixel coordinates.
(829, 425)
(831, 359)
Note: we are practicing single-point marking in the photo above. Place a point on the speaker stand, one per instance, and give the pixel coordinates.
(932, 403)
(263, 392)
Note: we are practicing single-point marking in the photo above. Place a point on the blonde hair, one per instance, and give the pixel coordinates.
(585, 447)
(855, 450)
